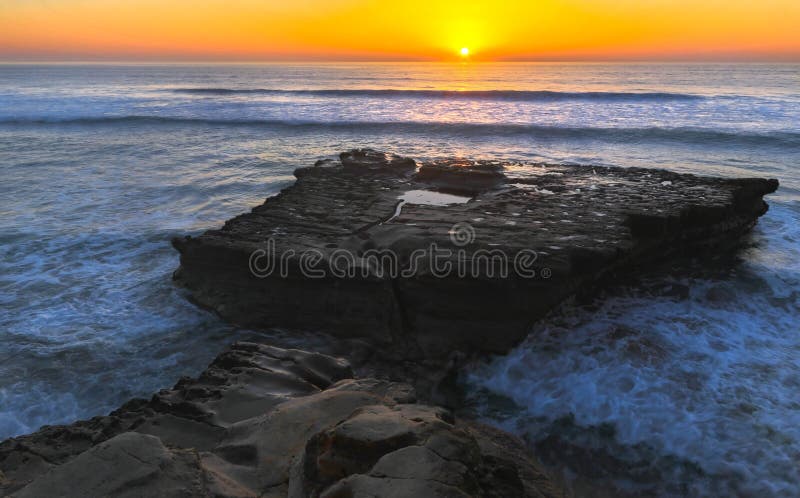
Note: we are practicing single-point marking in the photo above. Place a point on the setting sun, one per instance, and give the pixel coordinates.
(254, 30)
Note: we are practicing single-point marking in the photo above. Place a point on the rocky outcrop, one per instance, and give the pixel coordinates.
(339, 251)
(264, 421)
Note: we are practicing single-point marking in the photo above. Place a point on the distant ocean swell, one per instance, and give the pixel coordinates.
(685, 135)
(512, 95)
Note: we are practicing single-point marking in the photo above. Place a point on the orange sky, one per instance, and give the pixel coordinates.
(391, 30)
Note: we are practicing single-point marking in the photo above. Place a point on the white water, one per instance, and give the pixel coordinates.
(712, 377)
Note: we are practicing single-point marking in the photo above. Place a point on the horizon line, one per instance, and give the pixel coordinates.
(135, 60)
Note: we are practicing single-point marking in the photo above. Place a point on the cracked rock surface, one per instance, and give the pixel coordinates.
(576, 225)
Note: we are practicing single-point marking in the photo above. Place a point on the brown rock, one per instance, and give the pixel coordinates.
(245, 381)
(128, 465)
(410, 450)
(269, 422)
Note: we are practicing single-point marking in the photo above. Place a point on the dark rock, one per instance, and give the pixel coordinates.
(577, 226)
(242, 382)
(462, 176)
(367, 159)
(412, 450)
(128, 465)
(268, 422)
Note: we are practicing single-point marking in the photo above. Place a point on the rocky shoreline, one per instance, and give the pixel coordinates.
(265, 421)
(338, 253)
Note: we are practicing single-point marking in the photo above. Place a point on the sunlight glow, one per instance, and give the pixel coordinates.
(487, 30)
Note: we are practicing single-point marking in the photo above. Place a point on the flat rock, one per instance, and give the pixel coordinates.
(128, 465)
(424, 259)
(246, 380)
(316, 431)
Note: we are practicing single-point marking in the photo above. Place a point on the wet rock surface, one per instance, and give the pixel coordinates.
(528, 238)
(265, 421)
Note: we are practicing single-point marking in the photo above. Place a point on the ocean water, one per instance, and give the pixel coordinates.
(100, 165)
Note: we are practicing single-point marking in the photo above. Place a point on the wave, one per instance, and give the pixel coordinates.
(687, 135)
(511, 95)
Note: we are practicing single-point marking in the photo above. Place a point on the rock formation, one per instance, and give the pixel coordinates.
(264, 421)
(338, 250)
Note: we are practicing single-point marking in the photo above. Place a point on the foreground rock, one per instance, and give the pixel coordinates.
(339, 251)
(264, 421)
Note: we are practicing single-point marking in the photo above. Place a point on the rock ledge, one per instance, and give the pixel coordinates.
(268, 422)
(574, 225)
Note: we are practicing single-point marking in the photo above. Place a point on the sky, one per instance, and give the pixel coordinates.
(336, 30)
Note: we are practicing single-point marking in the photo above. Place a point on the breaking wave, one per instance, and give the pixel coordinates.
(512, 95)
(685, 135)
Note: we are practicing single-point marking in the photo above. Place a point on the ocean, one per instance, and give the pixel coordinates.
(100, 165)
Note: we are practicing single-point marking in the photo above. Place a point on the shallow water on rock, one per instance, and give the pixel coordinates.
(432, 198)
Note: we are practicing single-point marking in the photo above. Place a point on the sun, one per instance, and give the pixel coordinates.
(464, 51)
